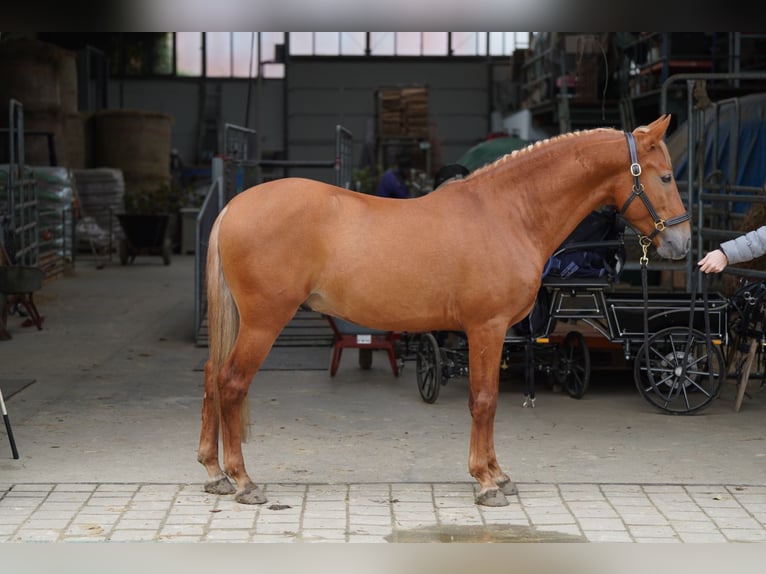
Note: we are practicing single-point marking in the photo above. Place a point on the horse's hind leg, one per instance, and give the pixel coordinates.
(238, 370)
(218, 483)
(485, 349)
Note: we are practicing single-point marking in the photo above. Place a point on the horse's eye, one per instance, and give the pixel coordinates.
(667, 178)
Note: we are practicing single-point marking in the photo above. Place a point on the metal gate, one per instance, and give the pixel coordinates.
(19, 215)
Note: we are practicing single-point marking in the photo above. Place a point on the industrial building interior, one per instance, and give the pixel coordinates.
(119, 150)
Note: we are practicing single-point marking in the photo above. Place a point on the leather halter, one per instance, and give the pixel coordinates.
(638, 191)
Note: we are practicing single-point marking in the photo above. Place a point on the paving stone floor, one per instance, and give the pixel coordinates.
(381, 513)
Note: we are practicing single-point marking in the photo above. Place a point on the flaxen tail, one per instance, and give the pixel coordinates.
(223, 321)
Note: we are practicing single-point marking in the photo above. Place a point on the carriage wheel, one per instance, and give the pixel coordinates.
(661, 382)
(574, 365)
(365, 359)
(429, 367)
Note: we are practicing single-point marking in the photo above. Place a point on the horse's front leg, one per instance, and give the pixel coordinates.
(485, 348)
(207, 454)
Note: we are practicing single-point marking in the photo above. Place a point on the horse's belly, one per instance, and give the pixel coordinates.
(385, 306)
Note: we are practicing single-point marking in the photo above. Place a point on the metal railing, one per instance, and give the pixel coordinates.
(20, 203)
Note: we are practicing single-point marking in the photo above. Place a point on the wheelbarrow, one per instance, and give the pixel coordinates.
(144, 234)
(18, 285)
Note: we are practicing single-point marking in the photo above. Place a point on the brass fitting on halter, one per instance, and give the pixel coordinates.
(645, 242)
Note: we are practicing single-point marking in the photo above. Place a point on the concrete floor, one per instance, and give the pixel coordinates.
(116, 399)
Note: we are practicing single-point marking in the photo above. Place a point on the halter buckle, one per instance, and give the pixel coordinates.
(635, 169)
(659, 225)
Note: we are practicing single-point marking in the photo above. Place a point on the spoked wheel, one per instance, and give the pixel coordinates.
(573, 370)
(429, 368)
(683, 375)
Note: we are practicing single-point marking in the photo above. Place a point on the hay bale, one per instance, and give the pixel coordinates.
(137, 142)
(74, 140)
(41, 76)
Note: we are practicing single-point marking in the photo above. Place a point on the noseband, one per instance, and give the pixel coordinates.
(638, 191)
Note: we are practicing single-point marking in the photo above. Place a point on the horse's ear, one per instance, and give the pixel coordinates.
(658, 127)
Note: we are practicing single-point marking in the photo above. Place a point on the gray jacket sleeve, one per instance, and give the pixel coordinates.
(745, 247)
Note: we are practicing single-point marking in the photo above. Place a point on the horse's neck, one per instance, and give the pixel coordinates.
(547, 196)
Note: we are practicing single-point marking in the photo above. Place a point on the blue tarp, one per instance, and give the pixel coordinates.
(749, 134)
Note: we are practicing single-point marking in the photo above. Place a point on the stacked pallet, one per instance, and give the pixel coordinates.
(390, 112)
(403, 112)
(415, 104)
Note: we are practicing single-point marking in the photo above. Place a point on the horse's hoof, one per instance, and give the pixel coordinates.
(250, 495)
(220, 486)
(507, 487)
(492, 497)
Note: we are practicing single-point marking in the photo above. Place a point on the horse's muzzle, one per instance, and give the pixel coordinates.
(674, 242)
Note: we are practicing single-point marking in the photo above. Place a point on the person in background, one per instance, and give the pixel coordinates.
(394, 180)
(746, 247)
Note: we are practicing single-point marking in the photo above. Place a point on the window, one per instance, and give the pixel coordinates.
(301, 43)
(435, 43)
(139, 54)
(352, 43)
(469, 43)
(162, 62)
(218, 54)
(326, 43)
(189, 53)
(237, 54)
(382, 43)
(406, 43)
(504, 43)
(245, 54)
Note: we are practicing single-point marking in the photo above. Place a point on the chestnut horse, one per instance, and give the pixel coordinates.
(476, 249)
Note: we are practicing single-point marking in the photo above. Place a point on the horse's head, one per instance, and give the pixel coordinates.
(650, 199)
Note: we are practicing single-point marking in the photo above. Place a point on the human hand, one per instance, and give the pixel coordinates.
(713, 262)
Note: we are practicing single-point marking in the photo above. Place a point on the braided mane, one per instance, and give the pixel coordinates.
(534, 146)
